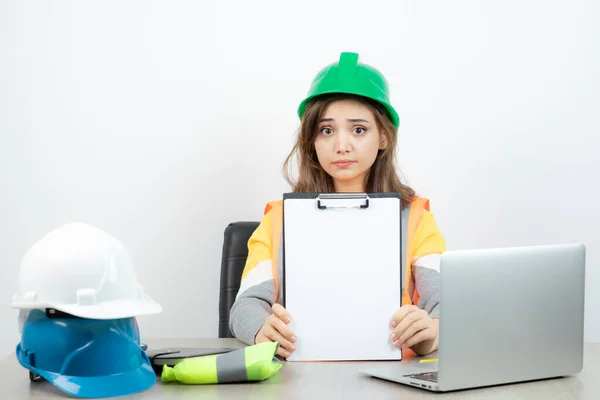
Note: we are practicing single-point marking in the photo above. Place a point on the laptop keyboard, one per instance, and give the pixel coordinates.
(425, 376)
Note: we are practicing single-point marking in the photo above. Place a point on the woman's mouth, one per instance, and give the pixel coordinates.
(343, 163)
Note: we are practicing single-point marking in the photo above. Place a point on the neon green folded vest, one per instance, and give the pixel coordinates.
(252, 363)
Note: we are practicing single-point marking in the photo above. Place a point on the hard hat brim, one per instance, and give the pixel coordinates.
(393, 115)
(113, 385)
(115, 309)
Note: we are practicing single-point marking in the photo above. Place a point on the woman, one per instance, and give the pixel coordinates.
(346, 143)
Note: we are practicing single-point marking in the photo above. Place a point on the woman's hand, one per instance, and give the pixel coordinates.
(413, 328)
(276, 329)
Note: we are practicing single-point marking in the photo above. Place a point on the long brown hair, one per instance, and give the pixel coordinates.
(312, 178)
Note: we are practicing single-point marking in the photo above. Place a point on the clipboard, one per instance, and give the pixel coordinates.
(342, 274)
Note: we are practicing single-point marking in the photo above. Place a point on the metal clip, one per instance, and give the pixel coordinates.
(342, 196)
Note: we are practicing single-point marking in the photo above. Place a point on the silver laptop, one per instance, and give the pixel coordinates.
(507, 315)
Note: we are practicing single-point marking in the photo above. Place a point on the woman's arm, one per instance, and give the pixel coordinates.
(428, 247)
(256, 295)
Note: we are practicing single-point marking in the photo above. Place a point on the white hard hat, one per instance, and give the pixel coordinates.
(82, 271)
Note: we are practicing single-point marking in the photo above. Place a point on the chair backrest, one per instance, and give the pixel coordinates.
(235, 253)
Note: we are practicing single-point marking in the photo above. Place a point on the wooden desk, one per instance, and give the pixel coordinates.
(314, 381)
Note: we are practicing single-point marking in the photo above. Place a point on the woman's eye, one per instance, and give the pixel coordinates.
(326, 131)
(359, 130)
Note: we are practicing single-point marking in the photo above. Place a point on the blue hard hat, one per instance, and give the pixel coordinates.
(85, 357)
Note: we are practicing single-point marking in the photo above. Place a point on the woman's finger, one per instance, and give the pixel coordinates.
(421, 336)
(407, 321)
(401, 313)
(285, 346)
(281, 313)
(412, 330)
(284, 330)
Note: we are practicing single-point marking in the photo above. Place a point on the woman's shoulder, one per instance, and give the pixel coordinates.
(421, 203)
(421, 207)
(274, 205)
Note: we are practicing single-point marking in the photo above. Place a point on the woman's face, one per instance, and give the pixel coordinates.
(347, 143)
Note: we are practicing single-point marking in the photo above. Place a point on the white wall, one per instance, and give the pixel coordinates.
(161, 122)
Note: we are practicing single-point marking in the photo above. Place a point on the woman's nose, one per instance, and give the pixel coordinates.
(342, 144)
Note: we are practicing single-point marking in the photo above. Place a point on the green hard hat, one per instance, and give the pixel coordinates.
(351, 76)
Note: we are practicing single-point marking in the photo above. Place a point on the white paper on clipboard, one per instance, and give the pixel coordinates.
(342, 274)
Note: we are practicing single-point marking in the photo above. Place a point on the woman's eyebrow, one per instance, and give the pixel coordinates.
(347, 119)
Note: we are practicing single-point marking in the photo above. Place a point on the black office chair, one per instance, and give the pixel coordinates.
(235, 253)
